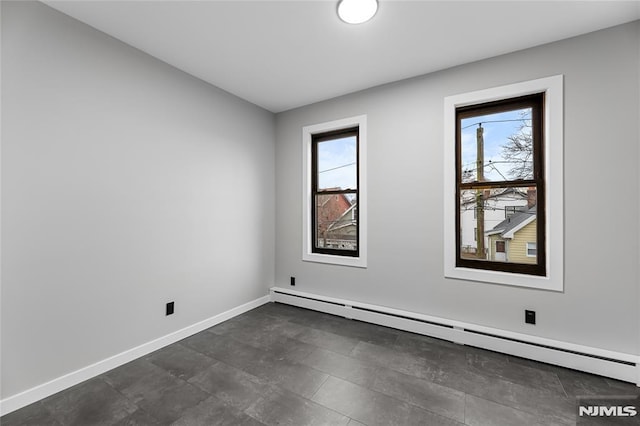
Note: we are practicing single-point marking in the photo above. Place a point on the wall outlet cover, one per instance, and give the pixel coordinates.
(530, 317)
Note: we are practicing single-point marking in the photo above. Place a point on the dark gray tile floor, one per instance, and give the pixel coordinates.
(282, 365)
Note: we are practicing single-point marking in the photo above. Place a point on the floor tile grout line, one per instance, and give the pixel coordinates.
(562, 385)
(412, 404)
(307, 399)
(310, 399)
(323, 331)
(386, 395)
(101, 377)
(148, 413)
(512, 407)
(513, 382)
(324, 406)
(378, 365)
(257, 379)
(464, 409)
(138, 407)
(506, 406)
(319, 387)
(563, 393)
(316, 347)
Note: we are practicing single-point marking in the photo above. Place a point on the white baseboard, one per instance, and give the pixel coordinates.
(603, 362)
(44, 390)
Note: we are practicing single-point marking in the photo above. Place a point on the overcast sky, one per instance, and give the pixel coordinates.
(337, 163)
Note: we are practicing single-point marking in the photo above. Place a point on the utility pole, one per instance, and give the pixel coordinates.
(480, 192)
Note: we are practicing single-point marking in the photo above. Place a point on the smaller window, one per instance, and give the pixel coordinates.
(334, 182)
(532, 250)
(335, 192)
(500, 247)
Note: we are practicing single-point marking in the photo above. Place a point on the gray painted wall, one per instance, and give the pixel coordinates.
(125, 184)
(600, 304)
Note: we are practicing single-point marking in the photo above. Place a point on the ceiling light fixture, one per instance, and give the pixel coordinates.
(357, 11)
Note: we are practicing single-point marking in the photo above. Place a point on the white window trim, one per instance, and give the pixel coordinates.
(307, 132)
(553, 157)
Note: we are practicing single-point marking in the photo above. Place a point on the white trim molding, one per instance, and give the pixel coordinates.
(44, 390)
(617, 365)
(307, 133)
(552, 87)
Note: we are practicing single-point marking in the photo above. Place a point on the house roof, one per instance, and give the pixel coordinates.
(508, 191)
(508, 227)
(339, 223)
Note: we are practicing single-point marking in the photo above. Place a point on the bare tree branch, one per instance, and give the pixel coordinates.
(519, 150)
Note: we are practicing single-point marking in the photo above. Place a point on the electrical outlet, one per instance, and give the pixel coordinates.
(293, 281)
(530, 317)
(170, 307)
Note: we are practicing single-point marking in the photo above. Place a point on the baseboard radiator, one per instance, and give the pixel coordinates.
(616, 365)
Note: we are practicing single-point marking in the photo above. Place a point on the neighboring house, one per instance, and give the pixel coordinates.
(514, 239)
(343, 233)
(498, 206)
(330, 211)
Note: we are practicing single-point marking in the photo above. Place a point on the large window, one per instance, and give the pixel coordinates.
(334, 179)
(499, 161)
(503, 205)
(335, 192)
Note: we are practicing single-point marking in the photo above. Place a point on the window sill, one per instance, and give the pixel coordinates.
(505, 278)
(358, 262)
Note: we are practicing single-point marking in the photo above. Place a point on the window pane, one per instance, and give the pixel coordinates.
(337, 164)
(497, 147)
(336, 221)
(532, 249)
(485, 234)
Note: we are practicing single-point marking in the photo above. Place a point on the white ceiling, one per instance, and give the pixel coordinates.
(285, 54)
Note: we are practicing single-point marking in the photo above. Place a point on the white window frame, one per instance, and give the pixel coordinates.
(528, 247)
(307, 239)
(553, 157)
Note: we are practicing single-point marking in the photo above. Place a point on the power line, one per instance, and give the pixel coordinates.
(336, 168)
(494, 121)
(496, 169)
